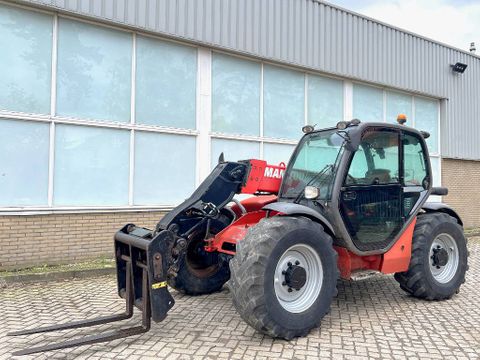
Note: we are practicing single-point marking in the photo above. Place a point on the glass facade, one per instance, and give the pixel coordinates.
(93, 72)
(325, 101)
(165, 83)
(233, 150)
(398, 103)
(94, 116)
(24, 163)
(26, 60)
(91, 166)
(426, 118)
(367, 103)
(235, 95)
(283, 102)
(158, 169)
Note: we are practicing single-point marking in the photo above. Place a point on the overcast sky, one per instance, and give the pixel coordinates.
(454, 22)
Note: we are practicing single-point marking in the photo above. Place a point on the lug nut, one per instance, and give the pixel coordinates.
(283, 272)
(438, 266)
(289, 264)
(297, 262)
(290, 289)
(284, 283)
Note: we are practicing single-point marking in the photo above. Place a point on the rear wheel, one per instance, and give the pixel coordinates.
(201, 272)
(284, 276)
(439, 258)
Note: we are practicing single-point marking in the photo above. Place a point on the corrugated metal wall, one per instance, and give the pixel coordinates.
(318, 36)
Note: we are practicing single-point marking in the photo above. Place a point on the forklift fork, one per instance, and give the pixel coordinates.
(134, 255)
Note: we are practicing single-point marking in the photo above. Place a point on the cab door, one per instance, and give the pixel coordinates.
(371, 199)
(417, 176)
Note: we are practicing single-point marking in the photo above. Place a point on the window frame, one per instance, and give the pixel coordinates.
(261, 138)
(53, 120)
(202, 132)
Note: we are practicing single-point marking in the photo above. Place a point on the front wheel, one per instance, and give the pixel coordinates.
(201, 272)
(439, 258)
(284, 276)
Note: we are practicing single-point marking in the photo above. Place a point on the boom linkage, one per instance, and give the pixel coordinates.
(146, 259)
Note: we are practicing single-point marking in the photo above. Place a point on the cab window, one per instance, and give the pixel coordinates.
(415, 169)
(376, 162)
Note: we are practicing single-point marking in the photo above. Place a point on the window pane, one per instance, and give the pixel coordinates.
(314, 164)
(414, 161)
(166, 83)
(325, 101)
(398, 103)
(437, 179)
(382, 148)
(26, 60)
(234, 150)
(163, 176)
(283, 102)
(274, 154)
(358, 167)
(24, 163)
(91, 166)
(367, 103)
(235, 95)
(426, 118)
(94, 72)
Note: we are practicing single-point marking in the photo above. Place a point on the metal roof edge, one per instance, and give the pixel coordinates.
(366, 17)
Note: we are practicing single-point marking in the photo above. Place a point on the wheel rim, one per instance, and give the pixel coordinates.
(200, 263)
(444, 245)
(304, 256)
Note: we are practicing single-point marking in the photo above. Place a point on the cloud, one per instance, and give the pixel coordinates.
(453, 22)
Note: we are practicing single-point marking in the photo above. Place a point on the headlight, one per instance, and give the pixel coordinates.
(342, 125)
(311, 192)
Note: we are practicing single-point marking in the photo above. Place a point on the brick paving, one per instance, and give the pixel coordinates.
(372, 318)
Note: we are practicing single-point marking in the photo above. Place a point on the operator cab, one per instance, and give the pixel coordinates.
(367, 179)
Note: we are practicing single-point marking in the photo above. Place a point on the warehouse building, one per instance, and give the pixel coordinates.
(114, 111)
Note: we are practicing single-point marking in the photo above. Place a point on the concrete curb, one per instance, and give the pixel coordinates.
(54, 276)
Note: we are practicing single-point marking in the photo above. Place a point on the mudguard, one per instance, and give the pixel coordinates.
(441, 207)
(288, 208)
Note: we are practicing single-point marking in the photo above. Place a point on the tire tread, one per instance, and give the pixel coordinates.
(414, 281)
(247, 274)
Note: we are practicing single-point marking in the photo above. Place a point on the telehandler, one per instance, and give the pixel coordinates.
(350, 203)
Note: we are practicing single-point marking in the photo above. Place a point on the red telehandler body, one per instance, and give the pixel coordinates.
(351, 202)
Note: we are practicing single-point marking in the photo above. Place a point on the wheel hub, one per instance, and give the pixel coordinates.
(444, 257)
(298, 278)
(439, 257)
(295, 276)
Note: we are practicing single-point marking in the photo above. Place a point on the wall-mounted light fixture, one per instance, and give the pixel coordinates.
(459, 67)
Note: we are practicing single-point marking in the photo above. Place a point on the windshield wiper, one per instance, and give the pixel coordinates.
(317, 176)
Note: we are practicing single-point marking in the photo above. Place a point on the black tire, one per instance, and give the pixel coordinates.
(418, 280)
(253, 270)
(201, 272)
